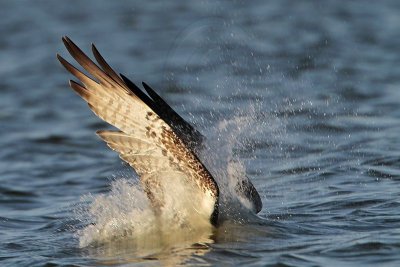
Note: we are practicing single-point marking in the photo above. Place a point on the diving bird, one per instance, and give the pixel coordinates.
(153, 139)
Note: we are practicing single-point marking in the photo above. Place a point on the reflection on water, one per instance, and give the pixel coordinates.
(169, 249)
(179, 247)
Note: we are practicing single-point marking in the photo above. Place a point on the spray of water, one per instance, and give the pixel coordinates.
(125, 212)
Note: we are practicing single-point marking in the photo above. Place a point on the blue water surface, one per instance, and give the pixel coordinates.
(316, 85)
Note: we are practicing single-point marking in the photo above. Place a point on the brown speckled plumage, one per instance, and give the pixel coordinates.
(147, 140)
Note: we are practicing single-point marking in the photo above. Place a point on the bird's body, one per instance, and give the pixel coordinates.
(154, 140)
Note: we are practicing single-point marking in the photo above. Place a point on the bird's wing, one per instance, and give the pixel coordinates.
(152, 136)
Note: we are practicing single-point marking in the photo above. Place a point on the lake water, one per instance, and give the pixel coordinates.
(305, 95)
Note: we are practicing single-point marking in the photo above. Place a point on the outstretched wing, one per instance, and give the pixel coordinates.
(153, 138)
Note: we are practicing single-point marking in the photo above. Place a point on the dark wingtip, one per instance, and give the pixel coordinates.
(150, 91)
(131, 84)
(79, 89)
(139, 93)
(72, 83)
(128, 82)
(70, 45)
(94, 49)
(65, 40)
(126, 79)
(62, 60)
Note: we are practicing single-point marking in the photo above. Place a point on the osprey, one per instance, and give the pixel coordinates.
(153, 139)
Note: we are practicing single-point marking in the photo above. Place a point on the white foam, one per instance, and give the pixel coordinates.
(123, 212)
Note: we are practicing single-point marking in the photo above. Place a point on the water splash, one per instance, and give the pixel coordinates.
(125, 213)
(236, 136)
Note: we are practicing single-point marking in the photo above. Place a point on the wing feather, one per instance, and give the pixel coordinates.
(85, 61)
(106, 67)
(146, 141)
(127, 144)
